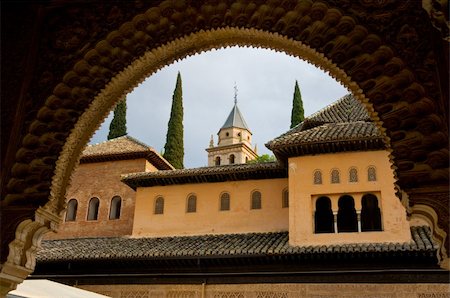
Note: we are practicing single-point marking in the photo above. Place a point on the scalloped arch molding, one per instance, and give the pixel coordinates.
(329, 37)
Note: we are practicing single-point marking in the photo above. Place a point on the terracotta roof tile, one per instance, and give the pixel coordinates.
(265, 170)
(342, 126)
(125, 147)
(214, 246)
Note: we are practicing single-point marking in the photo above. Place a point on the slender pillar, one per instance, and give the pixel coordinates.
(358, 214)
(335, 221)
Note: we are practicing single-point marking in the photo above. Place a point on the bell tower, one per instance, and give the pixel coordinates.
(234, 144)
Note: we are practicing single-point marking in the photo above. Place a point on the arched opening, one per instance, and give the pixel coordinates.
(191, 204)
(370, 213)
(116, 204)
(159, 205)
(94, 204)
(256, 200)
(366, 80)
(335, 177)
(323, 216)
(371, 174)
(353, 175)
(231, 159)
(347, 221)
(317, 177)
(72, 206)
(285, 199)
(217, 162)
(225, 202)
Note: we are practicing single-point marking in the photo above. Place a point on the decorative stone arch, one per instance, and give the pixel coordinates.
(332, 38)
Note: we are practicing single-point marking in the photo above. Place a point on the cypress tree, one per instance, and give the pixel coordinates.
(118, 126)
(298, 114)
(174, 148)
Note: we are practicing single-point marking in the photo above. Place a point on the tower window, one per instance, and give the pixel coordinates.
(371, 174)
(285, 199)
(231, 159)
(256, 200)
(370, 213)
(71, 214)
(192, 204)
(317, 177)
(335, 176)
(227, 134)
(347, 220)
(94, 203)
(116, 204)
(323, 217)
(225, 202)
(353, 175)
(159, 205)
(217, 162)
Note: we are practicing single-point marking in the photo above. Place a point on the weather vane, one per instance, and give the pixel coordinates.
(235, 93)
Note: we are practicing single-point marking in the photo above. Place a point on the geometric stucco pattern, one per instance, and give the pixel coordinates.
(275, 290)
(383, 51)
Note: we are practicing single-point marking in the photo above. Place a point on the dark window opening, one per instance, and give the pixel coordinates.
(71, 214)
(347, 220)
(224, 202)
(370, 214)
(116, 204)
(218, 161)
(94, 203)
(256, 200)
(323, 217)
(192, 204)
(159, 205)
(231, 159)
(285, 199)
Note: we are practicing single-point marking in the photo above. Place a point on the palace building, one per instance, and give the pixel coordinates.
(326, 212)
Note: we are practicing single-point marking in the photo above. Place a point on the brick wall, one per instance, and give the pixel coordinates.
(101, 180)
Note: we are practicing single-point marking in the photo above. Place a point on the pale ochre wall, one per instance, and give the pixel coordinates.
(208, 219)
(303, 192)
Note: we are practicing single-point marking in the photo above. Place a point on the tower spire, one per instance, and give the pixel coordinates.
(235, 93)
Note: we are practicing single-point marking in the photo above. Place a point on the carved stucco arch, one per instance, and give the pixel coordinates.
(321, 34)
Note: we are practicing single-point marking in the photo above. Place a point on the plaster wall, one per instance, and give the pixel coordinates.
(101, 180)
(303, 193)
(208, 219)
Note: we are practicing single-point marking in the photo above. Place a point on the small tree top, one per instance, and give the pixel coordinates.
(118, 126)
(298, 113)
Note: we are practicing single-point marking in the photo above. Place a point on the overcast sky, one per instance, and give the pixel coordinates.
(265, 80)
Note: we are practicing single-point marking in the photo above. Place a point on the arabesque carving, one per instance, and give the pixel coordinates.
(91, 57)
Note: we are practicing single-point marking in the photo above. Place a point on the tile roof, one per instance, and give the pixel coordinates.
(264, 170)
(344, 125)
(211, 246)
(125, 147)
(235, 119)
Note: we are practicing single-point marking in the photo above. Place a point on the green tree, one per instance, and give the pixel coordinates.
(174, 148)
(263, 158)
(298, 114)
(118, 126)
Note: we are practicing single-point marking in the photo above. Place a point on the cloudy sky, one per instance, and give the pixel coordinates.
(265, 80)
